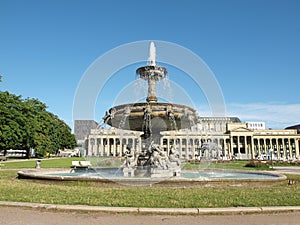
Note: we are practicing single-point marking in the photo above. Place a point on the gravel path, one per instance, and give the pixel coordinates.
(29, 216)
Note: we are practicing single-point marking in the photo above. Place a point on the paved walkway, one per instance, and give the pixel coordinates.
(19, 213)
(288, 169)
(33, 216)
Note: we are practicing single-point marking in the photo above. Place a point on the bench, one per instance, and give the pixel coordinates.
(80, 164)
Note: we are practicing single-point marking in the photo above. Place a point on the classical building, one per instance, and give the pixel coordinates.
(227, 138)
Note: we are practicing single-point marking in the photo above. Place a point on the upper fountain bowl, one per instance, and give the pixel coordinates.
(152, 72)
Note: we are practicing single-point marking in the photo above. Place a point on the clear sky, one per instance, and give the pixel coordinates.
(252, 47)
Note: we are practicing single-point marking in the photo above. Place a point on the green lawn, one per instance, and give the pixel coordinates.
(227, 165)
(45, 163)
(91, 193)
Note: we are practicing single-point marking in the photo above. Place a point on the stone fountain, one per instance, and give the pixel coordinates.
(151, 118)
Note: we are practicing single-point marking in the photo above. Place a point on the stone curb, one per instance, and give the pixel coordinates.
(182, 211)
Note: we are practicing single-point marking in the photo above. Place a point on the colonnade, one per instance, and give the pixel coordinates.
(247, 145)
(279, 147)
(110, 145)
(190, 147)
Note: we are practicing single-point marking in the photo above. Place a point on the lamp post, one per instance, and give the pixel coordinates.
(271, 153)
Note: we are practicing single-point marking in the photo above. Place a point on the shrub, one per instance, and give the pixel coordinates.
(257, 164)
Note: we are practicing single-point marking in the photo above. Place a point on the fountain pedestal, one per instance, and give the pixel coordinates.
(128, 172)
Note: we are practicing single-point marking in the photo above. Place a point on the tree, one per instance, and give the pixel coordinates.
(26, 124)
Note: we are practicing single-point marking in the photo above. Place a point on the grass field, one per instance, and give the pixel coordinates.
(45, 163)
(230, 165)
(91, 193)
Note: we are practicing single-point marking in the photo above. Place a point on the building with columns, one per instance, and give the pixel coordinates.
(227, 137)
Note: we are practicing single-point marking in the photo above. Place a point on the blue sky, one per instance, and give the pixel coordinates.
(252, 47)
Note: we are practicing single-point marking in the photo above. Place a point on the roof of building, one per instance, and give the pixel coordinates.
(295, 127)
(83, 127)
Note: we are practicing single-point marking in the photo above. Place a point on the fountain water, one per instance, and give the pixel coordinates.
(152, 54)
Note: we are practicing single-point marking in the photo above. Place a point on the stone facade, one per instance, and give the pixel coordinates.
(227, 136)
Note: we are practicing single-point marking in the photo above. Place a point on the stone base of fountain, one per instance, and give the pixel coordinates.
(153, 163)
(152, 172)
(160, 173)
(128, 172)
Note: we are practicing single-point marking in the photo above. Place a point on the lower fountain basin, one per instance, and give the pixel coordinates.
(187, 177)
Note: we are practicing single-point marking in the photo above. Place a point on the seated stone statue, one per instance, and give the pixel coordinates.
(158, 158)
(130, 158)
(174, 156)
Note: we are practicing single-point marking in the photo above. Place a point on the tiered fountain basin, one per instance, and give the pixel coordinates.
(131, 116)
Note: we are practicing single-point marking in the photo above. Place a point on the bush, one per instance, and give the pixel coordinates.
(257, 164)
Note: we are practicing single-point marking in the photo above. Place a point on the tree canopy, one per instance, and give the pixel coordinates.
(25, 124)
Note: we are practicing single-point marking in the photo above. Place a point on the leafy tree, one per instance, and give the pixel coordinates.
(26, 124)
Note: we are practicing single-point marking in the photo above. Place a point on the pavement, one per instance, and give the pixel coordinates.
(288, 169)
(138, 210)
(37, 214)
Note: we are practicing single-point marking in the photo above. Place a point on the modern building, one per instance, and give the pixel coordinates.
(256, 125)
(227, 137)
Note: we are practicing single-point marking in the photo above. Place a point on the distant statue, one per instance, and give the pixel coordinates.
(174, 156)
(158, 157)
(113, 112)
(170, 114)
(130, 158)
